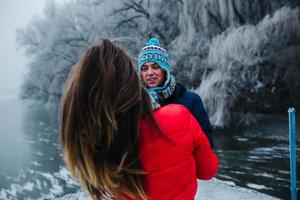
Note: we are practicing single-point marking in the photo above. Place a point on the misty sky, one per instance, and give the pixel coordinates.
(14, 14)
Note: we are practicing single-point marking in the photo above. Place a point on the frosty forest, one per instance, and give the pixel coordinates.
(241, 56)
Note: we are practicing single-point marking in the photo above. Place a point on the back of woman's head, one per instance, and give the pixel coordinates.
(101, 109)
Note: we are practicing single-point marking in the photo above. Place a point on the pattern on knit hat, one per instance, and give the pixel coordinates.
(153, 52)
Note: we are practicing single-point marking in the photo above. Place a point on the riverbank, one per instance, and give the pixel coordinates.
(256, 158)
(207, 190)
(219, 190)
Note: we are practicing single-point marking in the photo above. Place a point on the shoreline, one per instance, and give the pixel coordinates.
(207, 190)
(216, 189)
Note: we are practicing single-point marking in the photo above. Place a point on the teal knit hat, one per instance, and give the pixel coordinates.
(153, 52)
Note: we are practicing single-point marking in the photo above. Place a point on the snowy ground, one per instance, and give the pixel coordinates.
(207, 190)
(219, 190)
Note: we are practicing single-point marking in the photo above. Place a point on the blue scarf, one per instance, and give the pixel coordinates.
(159, 94)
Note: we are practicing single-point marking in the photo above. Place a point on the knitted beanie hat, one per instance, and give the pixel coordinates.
(153, 52)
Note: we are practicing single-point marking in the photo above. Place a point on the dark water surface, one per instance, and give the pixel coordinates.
(258, 157)
(32, 166)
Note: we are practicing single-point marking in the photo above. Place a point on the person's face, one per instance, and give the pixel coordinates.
(152, 74)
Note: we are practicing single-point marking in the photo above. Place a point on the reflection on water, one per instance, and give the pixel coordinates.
(11, 143)
(32, 166)
(258, 157)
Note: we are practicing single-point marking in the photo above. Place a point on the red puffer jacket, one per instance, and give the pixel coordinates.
(173, 161)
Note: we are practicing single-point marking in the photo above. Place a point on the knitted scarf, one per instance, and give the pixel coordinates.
(159, 94)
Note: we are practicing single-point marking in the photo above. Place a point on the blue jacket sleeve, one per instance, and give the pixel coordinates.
(200, 114)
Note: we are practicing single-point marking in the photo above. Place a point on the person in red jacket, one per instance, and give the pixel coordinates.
(117, 146)
(175, 160)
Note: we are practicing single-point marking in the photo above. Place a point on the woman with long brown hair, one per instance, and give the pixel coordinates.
(114, 143)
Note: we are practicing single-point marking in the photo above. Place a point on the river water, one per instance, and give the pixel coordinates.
(32, 165)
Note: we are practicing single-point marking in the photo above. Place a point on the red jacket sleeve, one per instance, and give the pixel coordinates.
(206, 160)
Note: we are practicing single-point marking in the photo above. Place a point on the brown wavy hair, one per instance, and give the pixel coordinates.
(101, 109)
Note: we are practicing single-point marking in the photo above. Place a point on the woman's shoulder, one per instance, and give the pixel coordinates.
(171, 110)
(175, 115)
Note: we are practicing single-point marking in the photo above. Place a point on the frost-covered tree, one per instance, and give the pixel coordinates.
(255, 68)
(200, 21)
(56, 41)
(197, 35)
